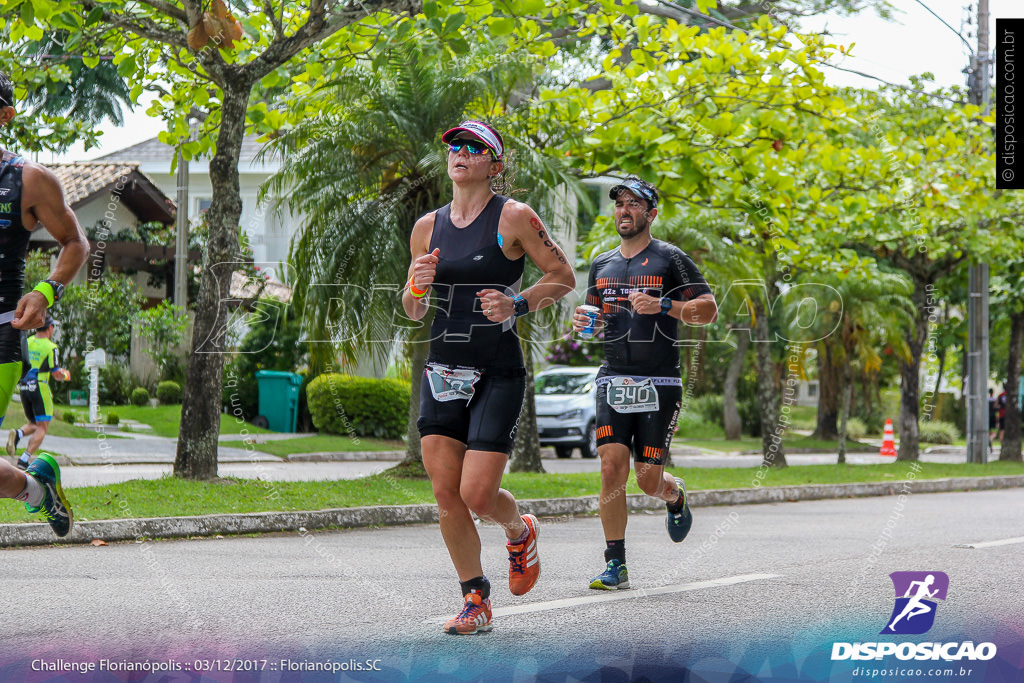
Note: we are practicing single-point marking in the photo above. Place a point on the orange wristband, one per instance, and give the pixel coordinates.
(419, 294)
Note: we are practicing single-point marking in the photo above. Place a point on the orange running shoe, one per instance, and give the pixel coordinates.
(475, 617)
(523, 560)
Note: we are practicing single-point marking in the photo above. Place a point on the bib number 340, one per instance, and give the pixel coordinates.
(627, 395)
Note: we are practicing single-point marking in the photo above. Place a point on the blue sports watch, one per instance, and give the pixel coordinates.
(521, 304)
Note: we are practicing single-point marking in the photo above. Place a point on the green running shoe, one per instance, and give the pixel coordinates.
(614, 578)
(54, 507)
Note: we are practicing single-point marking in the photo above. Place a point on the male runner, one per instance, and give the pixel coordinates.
(30, 197)
(644, 287)
(36, 397)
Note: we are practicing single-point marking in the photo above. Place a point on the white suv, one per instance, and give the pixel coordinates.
(566, 409)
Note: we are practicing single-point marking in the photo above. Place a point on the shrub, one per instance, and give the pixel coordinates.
(710, 408)
(856, 429)
(115, 383)
(346, 405)
(69, 416)
(112, 418)
(140, 396)
(938, 431)
(750, 414)
(168, 392)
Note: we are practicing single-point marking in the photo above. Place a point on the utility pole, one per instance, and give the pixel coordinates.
(181, 238)
(978, 286)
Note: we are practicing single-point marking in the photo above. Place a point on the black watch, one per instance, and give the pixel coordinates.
(522, 305)
(58, 289)
(666, 305)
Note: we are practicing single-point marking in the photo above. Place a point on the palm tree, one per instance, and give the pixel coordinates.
(362, 173)
(874, 311)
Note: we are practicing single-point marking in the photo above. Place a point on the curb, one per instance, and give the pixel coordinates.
(145, 529)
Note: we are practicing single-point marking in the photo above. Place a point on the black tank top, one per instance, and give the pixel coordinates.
(471, 259)
(13, 235)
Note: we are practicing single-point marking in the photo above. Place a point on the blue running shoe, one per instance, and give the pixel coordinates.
(614, 578)
(679, 523)
(55, 506)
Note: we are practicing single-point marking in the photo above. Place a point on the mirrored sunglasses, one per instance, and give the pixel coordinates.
(472, 146)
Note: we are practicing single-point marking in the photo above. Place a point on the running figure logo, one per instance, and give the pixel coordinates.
(914, 612)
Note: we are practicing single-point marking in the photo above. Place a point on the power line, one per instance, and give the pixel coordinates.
(959, 35)
(726, 24)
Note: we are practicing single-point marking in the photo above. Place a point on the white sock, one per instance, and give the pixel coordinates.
(20, 435)
(33, 493)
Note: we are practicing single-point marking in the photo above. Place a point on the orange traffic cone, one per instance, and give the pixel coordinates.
(888, 442)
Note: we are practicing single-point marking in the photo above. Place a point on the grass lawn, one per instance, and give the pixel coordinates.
(170, 496)
(747, 443)
(15, 418)
(793, 441)
(328, 443)
(166, 420)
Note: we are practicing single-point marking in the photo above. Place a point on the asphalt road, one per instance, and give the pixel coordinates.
(764, 589)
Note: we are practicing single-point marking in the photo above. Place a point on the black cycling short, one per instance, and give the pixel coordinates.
(34, 406)
(487, 423)
(648, 433)
(11, 344)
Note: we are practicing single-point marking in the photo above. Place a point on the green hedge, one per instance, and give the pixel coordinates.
(361, 406)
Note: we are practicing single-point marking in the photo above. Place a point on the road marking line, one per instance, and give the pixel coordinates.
(619, 595)
(990, 544)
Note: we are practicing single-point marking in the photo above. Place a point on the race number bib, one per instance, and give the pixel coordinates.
(628, 395)
(452, 384)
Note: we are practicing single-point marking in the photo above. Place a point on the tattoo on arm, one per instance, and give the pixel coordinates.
(539, 227)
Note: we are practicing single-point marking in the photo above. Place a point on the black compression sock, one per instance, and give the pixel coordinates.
(616, 550)
(678, 505)
(480, 584)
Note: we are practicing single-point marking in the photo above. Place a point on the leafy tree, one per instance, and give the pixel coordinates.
(935, 210)
(73, 90)
(169, 48)
(99, 315)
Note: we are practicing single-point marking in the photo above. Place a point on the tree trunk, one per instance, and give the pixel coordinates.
(731, 416)
(828, 394)
(910, 373)
(196, 456)
(526, 452)
(1010, 448)
(417, 362)
(844, 411)
(942, 353)
(768, 392)
(419, 347)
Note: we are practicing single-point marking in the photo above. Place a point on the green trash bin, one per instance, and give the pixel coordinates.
(279, 400)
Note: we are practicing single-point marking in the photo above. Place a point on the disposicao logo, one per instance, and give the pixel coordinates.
(916, 592)
(914, 614)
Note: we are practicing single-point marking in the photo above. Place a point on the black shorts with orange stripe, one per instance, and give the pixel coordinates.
(648, 434)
